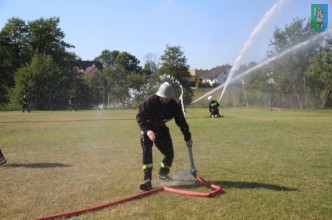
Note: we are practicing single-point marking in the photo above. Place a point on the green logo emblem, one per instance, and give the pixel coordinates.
(319, 17)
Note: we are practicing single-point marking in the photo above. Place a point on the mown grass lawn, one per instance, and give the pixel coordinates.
(271, 165)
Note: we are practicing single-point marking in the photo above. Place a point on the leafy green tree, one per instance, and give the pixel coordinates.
(116, 59)
(107, 58)
(80, 90)
(21, 41)
(117, 76)
(44, 36)
(288, 71)
(136, 80)
(128, 62)
(14, 51)
(151, 64)
(41, 80)
(319, 74)
(174, 63)
(118, 84)
(96, 82)
(75, 85)
(305, 72)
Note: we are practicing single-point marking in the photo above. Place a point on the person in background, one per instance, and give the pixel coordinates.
(2, 158)
(214, 108)
(71, 103)
(153, 113)
(25, 105)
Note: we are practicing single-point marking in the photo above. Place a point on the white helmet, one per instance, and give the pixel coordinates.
(166, 91)
(210, 98)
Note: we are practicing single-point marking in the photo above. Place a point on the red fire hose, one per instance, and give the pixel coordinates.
(216, 190)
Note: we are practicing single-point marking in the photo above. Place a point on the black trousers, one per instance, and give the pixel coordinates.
(25, 107)
(164, 144)
(215, 111)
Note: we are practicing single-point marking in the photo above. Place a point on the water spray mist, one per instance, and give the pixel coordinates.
(268, 15)
(293, 49)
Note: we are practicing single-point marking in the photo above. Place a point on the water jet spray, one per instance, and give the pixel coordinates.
(268, 15)
(293, 49)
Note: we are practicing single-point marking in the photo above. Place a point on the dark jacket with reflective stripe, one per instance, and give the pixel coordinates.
(152, 113)
(213, 104)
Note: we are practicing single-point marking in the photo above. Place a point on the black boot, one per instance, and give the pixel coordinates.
(163, 173)
(2, 159)
(147, 185)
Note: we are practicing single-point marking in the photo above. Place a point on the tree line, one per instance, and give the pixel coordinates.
(34, 61)
(306, 74)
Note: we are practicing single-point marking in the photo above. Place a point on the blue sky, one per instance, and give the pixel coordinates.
(209, 32)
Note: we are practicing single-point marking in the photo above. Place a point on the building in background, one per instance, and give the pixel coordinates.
(215, 76)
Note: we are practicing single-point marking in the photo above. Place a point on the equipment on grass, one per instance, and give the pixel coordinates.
(216, 190)
(191, 159)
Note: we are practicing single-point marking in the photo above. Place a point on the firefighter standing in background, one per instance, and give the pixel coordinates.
(152, 116)
(72, 103)
(214, 108)
(25, 105)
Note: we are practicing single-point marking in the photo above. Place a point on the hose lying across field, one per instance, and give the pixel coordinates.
(216, 190)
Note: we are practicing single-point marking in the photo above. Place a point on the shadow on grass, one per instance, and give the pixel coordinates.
(238, 185)
(38, 165)
(253, 185)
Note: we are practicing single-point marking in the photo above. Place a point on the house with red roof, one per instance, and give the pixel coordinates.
(217, 75)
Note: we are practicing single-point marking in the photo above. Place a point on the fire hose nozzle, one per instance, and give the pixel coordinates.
(193, 171)
(192, 165)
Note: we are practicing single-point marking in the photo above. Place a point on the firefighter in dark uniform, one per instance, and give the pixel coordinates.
(25, 105)
(152, 116)
(214, 108)
(72, 103)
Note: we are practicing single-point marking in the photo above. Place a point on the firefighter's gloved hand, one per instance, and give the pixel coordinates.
(189, 143)
(151, 135)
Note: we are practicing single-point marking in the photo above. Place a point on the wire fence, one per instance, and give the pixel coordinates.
(268, 100)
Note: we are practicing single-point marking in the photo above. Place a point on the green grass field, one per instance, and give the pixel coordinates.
(271, 165)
